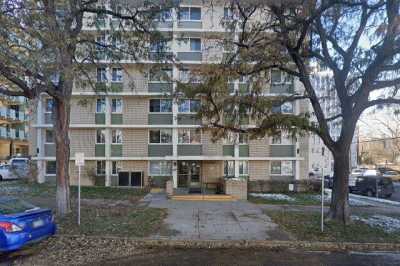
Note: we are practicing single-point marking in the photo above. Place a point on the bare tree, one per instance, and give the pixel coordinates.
(358, 41)
(46, 45)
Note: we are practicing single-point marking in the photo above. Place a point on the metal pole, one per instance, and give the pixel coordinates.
(322, 199)
(79, 195)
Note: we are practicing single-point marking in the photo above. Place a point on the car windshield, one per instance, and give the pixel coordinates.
(19, 162)
(12, 206)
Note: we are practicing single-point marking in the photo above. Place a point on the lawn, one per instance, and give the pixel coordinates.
(306, 226)
(296, 199)
(105, 210)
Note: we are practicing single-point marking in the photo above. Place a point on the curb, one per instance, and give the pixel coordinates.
(242, 244)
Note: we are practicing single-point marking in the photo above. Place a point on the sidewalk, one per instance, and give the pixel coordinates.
(198, 220)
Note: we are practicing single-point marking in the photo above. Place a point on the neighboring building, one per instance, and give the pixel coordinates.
(323, 83)
(13, 127)
(137, 135)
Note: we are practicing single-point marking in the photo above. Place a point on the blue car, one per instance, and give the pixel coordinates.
(21, 223)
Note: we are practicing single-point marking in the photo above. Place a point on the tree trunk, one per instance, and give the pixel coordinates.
(339, 209)
(61, 128)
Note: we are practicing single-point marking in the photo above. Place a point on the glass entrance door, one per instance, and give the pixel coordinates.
(189, 174)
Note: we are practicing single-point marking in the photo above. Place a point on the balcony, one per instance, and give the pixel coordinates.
(12, 134)
(11, 115)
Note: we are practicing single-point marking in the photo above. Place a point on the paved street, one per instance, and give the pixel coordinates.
(215, 220)
(195, 257)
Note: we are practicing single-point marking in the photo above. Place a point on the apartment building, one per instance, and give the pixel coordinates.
(137, 134)
(13, 127)
(320, 156)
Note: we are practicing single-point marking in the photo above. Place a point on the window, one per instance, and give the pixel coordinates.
(114, 168)
(116, 136)
(287, 167)
(188, 106)
(101, 105)
(158, 75)
(49, 105)
(51, 168)
(278, 76)
(195, 44)
(282, 168)
(116, 75)
(160, 46)
(189, 136)
(163, 136)
(164, 15)
(277, 139)
(275, 168)
(287, 108)
(160, 105)
(243, 168)
(101, 167)
(227, 13)
(116, 105)
(160, 168)
(100, 136)
(190, 13)
(190, 44)
(243, 138)
(101, 74)
(49, 136)
(229, 168)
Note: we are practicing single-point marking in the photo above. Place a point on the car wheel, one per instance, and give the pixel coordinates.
(388, 196)
(370, 193)
(1, 178)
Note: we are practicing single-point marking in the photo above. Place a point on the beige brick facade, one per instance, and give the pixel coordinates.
(88, 173)
(259, 147)
(83, 110)
(259, 170)
(135, 142)
(212, 171)
(209, 147)
(135, 111)
(82, 140)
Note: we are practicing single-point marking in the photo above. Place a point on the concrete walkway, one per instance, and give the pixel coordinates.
(188, 220)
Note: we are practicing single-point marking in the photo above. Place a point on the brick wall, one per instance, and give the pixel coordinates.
(83, 110)
(210, 148)
(87, 178)
(259, 147)
(212, 170)
(259, 170)
(135, 111)
(82, 140)
(134, 142)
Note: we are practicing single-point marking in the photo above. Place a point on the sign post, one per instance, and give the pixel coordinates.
(79, 161)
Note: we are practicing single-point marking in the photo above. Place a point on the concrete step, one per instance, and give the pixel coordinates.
(192, 197)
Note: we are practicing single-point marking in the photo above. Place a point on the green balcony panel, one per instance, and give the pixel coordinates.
(243, 150)
(116, 119)
(160, 119)
(116, 87)
(100, 150)
(188, 119)
(116, 150)
(157, 150)
(190, 24)
(243, 88)
(228, 150)
(100, 87)
(160, 87)
(100, 118)
(189, 150)
(282, 150)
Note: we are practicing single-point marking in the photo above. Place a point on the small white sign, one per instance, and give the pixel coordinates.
(291, 187)
(79, 159)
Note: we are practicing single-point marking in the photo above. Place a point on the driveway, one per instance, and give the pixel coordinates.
(214, 220)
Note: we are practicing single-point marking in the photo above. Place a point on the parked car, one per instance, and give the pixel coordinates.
(5, 172)
(22, 223)
(394, 175)
(374, 185)
(19, 166)
(372, 172)
(357, 171)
